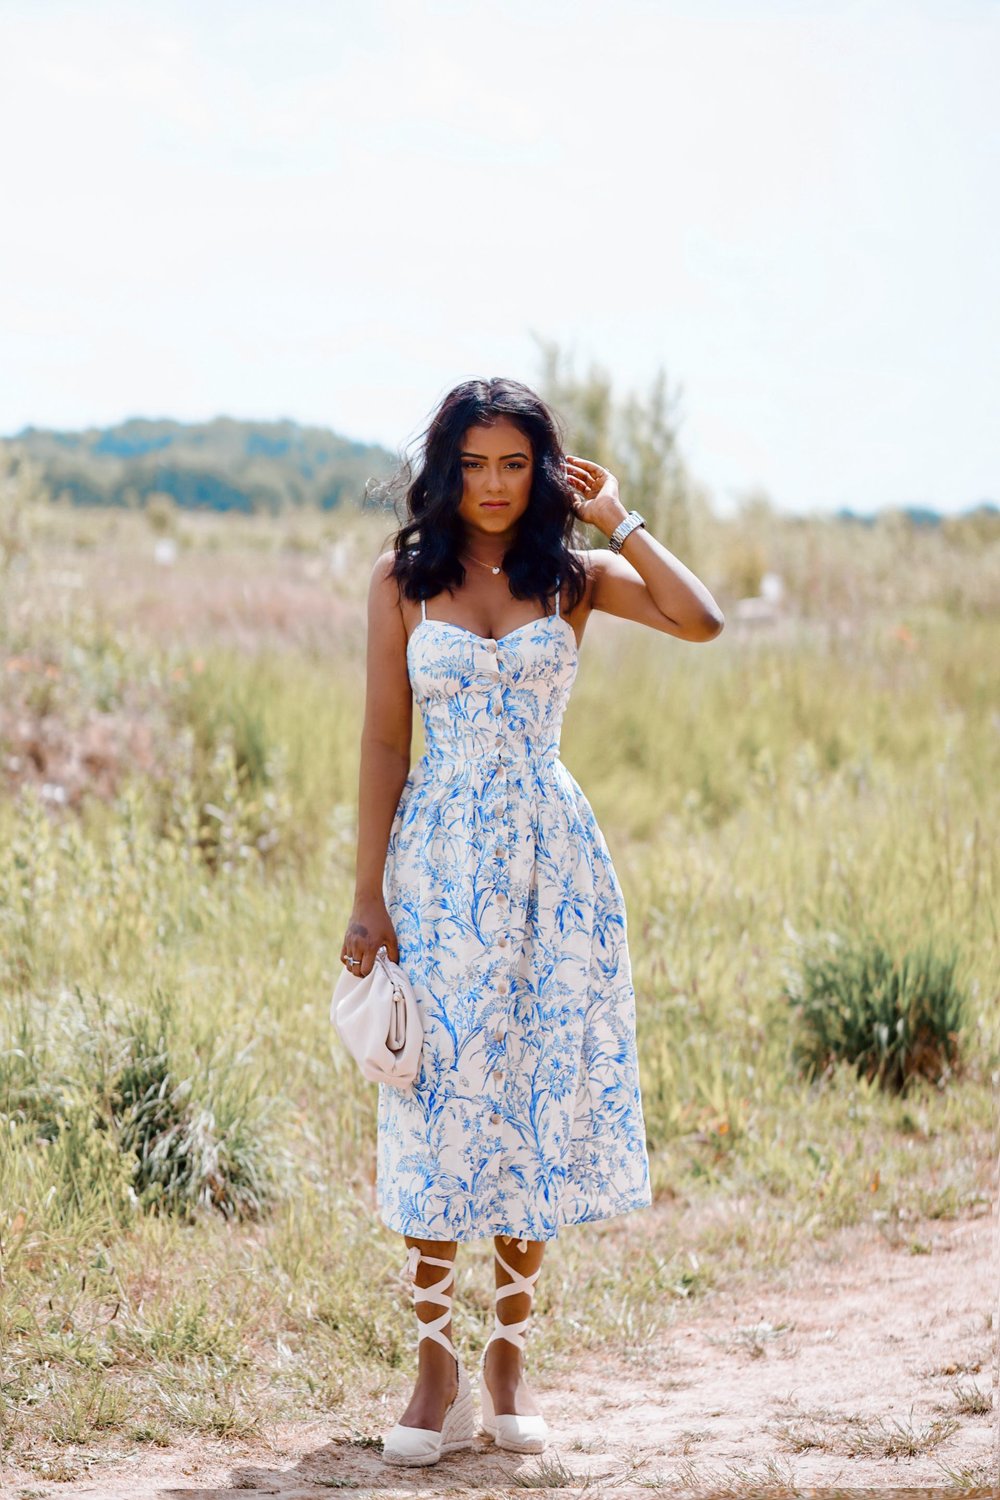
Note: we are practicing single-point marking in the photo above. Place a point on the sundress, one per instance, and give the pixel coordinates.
(526, 1111)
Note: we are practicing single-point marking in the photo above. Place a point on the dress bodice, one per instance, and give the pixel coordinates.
(486, 698)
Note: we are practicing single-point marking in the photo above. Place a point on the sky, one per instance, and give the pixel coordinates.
(335, 212)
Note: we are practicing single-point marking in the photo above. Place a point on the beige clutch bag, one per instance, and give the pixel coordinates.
(379, 1023)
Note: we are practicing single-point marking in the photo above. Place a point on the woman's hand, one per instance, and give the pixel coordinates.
(599, 503)
(368, 928)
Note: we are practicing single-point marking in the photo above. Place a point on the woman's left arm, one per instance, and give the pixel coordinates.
(643, 582)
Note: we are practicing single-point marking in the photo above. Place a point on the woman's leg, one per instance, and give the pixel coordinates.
(504, 1367)
(437, 1374)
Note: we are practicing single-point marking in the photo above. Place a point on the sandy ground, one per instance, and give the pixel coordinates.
(808, 1381)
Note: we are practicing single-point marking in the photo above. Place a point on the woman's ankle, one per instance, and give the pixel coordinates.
(436, 1365)
(504, 1366)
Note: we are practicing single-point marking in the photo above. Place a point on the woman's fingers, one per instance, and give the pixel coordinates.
(361, 954)
(366, 957)
(585, 475)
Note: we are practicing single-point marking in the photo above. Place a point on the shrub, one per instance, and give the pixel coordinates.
(893, 1015)
(195, 1147)
(142, 1116)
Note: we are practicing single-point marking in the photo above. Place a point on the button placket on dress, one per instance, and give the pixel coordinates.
(502, 847)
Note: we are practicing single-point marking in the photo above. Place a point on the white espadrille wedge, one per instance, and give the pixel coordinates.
(521, 1434)
(424, 1445)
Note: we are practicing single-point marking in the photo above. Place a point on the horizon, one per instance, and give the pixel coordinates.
(846, 512)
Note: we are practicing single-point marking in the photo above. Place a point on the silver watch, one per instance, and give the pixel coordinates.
(621, 531)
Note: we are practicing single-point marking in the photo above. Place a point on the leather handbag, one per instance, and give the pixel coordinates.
(377, 1018)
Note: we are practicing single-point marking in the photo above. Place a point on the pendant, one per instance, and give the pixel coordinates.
(495, 570)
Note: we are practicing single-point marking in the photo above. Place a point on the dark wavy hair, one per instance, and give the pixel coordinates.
(426, 546)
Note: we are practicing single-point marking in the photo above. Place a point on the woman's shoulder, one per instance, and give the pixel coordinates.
(382, 581)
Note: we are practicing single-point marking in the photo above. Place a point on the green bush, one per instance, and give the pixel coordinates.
(138, 1114)
(894, 1015)
(194, 1147)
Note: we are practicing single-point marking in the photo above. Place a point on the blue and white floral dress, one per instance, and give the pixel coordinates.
(526, 1112)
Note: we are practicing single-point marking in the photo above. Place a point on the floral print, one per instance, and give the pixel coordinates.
(526, 1112)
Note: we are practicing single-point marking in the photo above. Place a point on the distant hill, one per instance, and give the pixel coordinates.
(923, 515)
(271, 467)
(219, 465)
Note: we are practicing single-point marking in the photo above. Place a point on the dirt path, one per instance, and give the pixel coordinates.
(827, 1378)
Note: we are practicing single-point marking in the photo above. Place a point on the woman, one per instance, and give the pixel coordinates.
(484, 872)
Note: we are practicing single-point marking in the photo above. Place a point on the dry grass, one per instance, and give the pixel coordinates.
(179, 756)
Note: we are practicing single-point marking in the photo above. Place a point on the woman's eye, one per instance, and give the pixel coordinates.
(472, 463)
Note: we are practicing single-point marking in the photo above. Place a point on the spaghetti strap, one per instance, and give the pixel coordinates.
(558, 587)
(423, 609)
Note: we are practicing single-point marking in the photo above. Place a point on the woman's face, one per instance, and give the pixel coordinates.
(497, 467)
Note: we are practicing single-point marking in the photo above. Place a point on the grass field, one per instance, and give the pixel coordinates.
(188, 1238)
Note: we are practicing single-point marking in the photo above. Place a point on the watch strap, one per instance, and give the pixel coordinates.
(625, 526)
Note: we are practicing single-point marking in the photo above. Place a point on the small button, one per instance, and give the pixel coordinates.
(503, 987)
(498, 1075)
(501, 897)
(502, 940)
(495, 1119)
(498, 1036)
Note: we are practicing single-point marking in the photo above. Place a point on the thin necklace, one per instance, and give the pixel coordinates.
(497, 569)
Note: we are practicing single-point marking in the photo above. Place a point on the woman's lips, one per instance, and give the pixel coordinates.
(493, 504)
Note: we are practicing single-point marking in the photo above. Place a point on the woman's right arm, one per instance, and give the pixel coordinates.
(385, 764)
